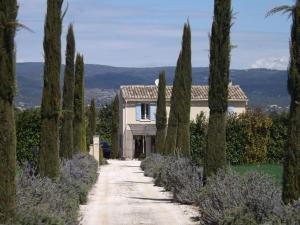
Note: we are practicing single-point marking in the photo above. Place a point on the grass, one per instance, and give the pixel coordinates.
(274, 170)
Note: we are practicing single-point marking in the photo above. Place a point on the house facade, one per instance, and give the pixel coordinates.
(138, 109)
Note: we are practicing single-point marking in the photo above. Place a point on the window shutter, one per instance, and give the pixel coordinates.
(153, 111)
(138, 111)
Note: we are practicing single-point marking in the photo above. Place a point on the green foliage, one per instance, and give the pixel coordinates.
(219, 64)
(278, 137)
(178, 132)
(291, 178)
(198, 138)
(257, 126)
(66, 136)
(92, 115)
(48, 165)
(28, 127)
(115, 129)
(8, 24)
(239, 137)
(104, 128)
(79, 123)
(161, 115)
(215, 155)
(235, 140)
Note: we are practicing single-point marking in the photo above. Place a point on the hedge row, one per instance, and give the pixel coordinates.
(253, 137)
(227, 198)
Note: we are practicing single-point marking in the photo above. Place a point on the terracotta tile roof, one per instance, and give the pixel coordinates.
(199, 92)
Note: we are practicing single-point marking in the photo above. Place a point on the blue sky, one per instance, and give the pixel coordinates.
(146, 33)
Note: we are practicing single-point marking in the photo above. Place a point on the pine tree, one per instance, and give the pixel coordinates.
(92, 120)
(215, 157)
(66, 141)
(161, 115)
(115, 129)
(8, 23)
(79, 122)
(178, 132)
(50, 111)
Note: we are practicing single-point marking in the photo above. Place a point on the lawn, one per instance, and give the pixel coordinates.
(275, 171)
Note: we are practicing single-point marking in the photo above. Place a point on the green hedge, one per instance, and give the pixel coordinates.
(253, 137)
(28, 135)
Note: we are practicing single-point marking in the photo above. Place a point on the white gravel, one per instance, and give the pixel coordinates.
(124, 196)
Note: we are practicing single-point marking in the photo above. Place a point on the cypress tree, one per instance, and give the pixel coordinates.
(178, 132)
(92, 120)
(291, 175)
(79, 123)
(8, 23)
(51, 101)
(161, 115)
(66, 141)
(115, 129)
(215, 157)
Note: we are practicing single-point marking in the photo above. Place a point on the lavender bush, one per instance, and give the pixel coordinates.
(179, 175)
(45, 202)
(229, 198)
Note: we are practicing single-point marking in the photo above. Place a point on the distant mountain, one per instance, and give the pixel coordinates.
(263, 87)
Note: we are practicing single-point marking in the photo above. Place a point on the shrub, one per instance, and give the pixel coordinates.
(257, 128)
(28, 126)
(46, 202)
(278, 137)
(198, 138)
(235, 140)
(179, 175)
(229, 197)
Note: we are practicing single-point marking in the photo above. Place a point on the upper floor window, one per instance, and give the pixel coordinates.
(145, 111)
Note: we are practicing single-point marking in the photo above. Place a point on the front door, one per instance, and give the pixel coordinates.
(140, 146)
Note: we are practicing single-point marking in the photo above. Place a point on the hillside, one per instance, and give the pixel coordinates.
(263, 87)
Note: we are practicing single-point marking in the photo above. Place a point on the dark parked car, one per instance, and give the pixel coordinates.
(106, 149)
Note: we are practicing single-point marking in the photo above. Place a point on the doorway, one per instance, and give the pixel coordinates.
(140, 146)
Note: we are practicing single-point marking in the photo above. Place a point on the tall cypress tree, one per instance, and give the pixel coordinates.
(79, 108)
(92, 120)
(215, 157)
(178, 132)
(161, 115)
(8, 23)
(115, 129)
(51, 101)
(184, 109)
(291, 175)
(66, 140)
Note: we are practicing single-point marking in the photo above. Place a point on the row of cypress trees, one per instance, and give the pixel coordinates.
(63, 128)
(220, 48)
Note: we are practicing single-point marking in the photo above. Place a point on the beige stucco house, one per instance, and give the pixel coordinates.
(138, 109)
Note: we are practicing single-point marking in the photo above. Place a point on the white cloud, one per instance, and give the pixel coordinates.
(271, 63)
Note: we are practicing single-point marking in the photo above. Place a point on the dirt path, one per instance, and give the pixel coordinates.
(124, 196)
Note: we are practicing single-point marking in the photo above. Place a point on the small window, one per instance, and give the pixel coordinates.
(145, 111)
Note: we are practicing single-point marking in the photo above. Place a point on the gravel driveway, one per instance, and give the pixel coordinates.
(124, 196)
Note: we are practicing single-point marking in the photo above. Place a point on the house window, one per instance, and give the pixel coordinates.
(145, 111)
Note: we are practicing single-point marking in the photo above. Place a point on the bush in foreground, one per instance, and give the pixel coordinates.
(179, 175)
(228, 198)
(45, 202)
